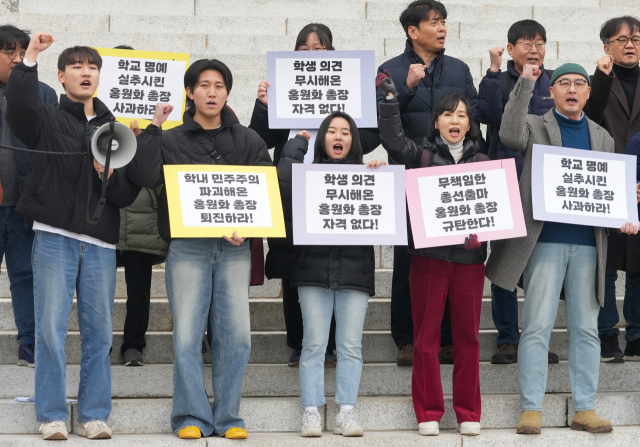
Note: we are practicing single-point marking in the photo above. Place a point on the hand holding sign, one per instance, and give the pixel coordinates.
(262, 92)
(161, 114)
(375, 164)
(237, 240)
(629, 228)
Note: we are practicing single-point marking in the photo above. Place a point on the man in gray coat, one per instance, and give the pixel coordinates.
(553, 255)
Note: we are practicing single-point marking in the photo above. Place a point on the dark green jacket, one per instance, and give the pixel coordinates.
(139, 225)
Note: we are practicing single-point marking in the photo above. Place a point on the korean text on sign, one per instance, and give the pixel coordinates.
(133, 82)
(583, 187)
(348, 205)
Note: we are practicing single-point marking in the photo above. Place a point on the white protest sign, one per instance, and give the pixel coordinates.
(133, 82)
(348, 205)
(583, 187)
(305, 87)
(447, 203)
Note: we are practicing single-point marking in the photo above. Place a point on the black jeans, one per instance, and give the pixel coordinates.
(293, 319)
(137, 274)
(401, 320)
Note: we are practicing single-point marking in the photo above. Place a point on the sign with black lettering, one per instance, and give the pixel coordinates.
(583, 187)
(306, 86)
(348, 205)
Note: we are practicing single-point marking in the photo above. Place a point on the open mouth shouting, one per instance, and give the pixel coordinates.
(454, 132)
(571, 101)
(337, 148)
(212, 104)
(86, 83)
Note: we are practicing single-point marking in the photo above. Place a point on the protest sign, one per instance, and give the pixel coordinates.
(348, 205)
(306, 86)
(447, 203)
(215, 200)
(583, 187)
(132, 83)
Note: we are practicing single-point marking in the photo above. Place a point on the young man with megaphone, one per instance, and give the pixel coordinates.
(72, 249)
(204, 276)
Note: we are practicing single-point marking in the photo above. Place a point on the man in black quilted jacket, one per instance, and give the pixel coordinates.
(422, 75)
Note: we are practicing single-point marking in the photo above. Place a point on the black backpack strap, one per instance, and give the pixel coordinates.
(505, 87)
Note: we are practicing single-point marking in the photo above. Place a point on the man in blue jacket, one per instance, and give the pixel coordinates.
(16, 236)
(423, 74)
(526, 46)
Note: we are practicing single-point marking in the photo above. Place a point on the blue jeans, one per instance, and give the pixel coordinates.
(550, 267)
(208, 277)
(504, 310)
(349, 308)
(608, 318)
(60, 265)
(16, 241)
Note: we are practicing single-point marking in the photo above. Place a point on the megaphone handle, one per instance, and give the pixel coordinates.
(105, 181)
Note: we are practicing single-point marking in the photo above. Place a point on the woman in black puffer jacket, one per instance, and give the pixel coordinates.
(456, 271)
(330, 279)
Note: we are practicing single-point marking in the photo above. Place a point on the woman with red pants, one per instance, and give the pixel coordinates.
(456, 270)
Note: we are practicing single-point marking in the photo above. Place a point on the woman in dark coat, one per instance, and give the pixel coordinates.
(330, 279)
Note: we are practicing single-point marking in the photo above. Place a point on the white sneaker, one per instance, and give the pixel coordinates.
(470, 428)
(347, 424)
(311, 427)
(94, 430)
(431, 428)
(54, 430)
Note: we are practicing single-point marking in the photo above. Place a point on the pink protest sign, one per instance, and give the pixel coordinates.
(447, 203)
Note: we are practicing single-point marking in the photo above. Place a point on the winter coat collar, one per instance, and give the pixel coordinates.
(413, 56)
(227, 117)
(469, 149)
(77, 109)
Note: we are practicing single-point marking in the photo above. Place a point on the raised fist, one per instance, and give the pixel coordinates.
(161, 114)
(605, 64)
(531, 71)
(416, 72)
(496, 58)
(39, 42)
(385, 83)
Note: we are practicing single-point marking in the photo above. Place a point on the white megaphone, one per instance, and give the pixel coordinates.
(123, 146)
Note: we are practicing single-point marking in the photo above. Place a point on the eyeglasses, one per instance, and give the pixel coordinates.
(528, 45)
(623, 40)
(11, 54)
(566, 83)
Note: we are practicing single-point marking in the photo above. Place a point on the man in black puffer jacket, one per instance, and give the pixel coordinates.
(422, 74)
(207, 278)
(69, 252)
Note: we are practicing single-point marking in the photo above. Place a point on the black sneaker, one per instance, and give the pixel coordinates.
(133, 357)
(506, 355)
(330, 359)
(610, 351)
(553, 358)
(25, 355)
(294, 360)
(632, 351)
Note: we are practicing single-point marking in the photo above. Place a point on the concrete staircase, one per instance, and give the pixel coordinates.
(239, 32)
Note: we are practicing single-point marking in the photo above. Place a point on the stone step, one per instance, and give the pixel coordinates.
(378, 379)
(381, 413)
(267, 315)
(284, 414)
(621, 437)
(269, 347)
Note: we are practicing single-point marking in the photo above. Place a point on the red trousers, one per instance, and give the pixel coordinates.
(431, 282)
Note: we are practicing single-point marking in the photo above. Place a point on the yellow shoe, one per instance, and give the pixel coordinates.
(190, 433)
(236, 433)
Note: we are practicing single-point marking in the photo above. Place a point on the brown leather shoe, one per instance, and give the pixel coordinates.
(530, 422)
(591, 422)
(405, 355)
(506, 355)
(445, 356)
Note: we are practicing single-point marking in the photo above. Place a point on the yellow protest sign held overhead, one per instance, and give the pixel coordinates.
(132, 82)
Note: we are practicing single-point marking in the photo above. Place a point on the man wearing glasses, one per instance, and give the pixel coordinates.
(16, 236)
(527, 39)
(555, 255)
(615, 105)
